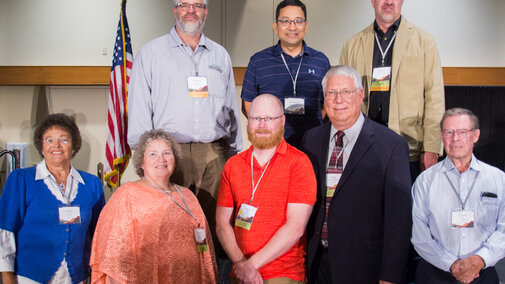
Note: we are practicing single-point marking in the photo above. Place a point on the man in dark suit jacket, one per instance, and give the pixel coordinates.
(361, 224)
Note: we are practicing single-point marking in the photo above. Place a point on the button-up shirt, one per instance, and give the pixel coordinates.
(349, 139)
(159, 96)
(441, 190)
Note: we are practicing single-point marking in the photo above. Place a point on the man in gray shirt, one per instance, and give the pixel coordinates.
(183, 82)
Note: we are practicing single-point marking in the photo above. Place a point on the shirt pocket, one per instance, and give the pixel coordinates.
(488, 209)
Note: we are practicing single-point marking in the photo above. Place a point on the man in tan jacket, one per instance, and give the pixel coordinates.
(402, 80)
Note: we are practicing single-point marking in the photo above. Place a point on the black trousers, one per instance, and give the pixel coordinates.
(321, 269)
(429, 274)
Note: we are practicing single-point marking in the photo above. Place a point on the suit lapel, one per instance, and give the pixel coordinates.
(364, 142)
(403, 38)
(368, 43)
(324, 143)
(400, 45)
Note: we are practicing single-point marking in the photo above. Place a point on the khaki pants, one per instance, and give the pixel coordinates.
(200, 171)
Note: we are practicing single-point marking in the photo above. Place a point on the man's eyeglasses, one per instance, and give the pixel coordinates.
(286, 22)
(266, 119)
(196, 6)
(463, 133)
(346, 94)
(51, 140)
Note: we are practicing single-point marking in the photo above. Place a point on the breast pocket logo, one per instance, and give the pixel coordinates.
(216, 67)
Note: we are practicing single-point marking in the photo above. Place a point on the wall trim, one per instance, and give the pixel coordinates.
(99, 76)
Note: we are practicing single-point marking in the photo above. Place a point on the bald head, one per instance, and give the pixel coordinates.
(265, 127)
(261, 102)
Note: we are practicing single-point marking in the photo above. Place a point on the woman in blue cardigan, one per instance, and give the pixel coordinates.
(48, 212)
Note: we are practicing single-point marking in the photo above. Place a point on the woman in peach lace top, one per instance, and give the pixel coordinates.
(153, 231)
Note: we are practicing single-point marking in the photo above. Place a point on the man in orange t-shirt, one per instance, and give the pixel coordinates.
(267, 193)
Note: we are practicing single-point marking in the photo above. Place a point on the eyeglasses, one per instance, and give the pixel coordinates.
(346, 94)
(463, 133)
(196, 6)
(266, 119)
(50, 140)
(286, 22)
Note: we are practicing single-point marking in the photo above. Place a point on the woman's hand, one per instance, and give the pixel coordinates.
(8, 277)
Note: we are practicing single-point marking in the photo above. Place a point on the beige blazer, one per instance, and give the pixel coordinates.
(417, 89)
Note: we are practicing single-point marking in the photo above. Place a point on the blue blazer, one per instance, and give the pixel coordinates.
(369, 219)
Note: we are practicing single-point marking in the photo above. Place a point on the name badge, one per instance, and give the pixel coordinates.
(201, 240)
(462, 219)
(198, 87)
(380, 79)
(331, 183)
(69, 215)
(245, 216)
(294, 105)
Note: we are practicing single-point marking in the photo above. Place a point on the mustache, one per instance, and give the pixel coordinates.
(191, 14)
(263, 131)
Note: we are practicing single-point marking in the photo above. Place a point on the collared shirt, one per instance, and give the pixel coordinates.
(435, 200)
(267, 74)
(7, 239)
(289, 178)
(379, 101)
(159, 98)
(349, 139)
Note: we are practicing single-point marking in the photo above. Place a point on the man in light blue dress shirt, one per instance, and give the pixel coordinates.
(459, 210)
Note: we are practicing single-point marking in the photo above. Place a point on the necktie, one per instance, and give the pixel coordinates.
(335, 166)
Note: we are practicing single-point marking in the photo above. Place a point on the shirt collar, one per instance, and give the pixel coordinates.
(175, 39)
(449, 166)
(278, 49)
(42, 172)
(351, 132)
(392, 28)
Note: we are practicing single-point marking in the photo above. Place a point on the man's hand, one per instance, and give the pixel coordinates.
(246, 272)
(466, 270)
(427, 159)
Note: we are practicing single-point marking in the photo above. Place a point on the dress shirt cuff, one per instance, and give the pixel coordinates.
(7, 251)
(484, 254)
(447, 264)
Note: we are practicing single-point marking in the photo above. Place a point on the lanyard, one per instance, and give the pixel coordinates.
(191, 58)
(293, 80)
(383, 53)
(252, 176)
(455, 192)
(187, 210)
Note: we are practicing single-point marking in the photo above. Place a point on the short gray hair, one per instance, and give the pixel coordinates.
(146, 139)
(177, 1)
(344, 71)
(460, 111)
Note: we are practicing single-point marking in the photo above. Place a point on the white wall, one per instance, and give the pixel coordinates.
(74, 32)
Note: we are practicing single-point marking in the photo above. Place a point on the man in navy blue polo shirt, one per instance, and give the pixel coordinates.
(291, 71)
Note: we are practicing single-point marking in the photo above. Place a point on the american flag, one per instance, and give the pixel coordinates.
(117, 150)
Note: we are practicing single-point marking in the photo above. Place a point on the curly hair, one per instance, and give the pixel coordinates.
(62, 121)
(146, 139)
